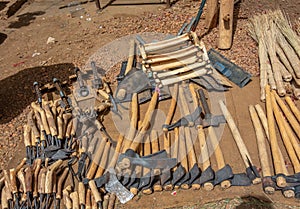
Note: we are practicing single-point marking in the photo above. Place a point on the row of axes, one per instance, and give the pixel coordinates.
(287, 120)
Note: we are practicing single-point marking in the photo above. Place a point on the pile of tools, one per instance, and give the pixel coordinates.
(279, 53)
(287, 118)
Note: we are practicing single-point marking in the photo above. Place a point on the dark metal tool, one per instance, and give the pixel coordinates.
(66, 103)
(97, 81)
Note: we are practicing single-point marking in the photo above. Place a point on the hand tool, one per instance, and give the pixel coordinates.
(66, 197)
(96, 194)
(8, 187)
(51, 122)
(43, 135)
(37, 165)
(27, 142)
(81, 195)
(251, 170)
(280, 179)
(38, 93)
(224, 172)
(28, 185)
(14, 188)
(111, 202)
(267, 183)
(105, 201)
(60, 183)
(147, 177)
(65, 104)
(104, 160)
(4, 202)
(41, 185)
(75, 201)
(154, 138)
(207, 175)
(51, 170)
(21, 177)
(35, 131)
(88, 199)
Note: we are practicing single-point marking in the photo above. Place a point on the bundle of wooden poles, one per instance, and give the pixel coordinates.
(276, 173)
(279, 53)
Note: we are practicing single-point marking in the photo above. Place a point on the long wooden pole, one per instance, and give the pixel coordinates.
(226, 24)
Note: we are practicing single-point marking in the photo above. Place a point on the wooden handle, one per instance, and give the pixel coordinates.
(263, 118)
(273, 139)
(33, 140)
(88, 202)
(21, 178)
(96, 160)
(261, 142)
(146, 122)
(67, 200)
(95, 191)
(27, 135)
(50, 120)
(174, 154)
(60, 182)
(13, 180)
(133, 122)
(225, 24)
(130, 56)
(289, 115)
(103, 162)
(286, 134)
(105, 201)
(114, 159)
(74, 198)
(60, 127)
(38, 164)
(182, 153)
(81, 193)
(28, 179)
(293, 107)
(32, 125)
(172, 105)
(68, 129)
(236, 134)
(7, 184)
(42, 180)
(111, 202)
(4, 202)
(42, 115)
(49, 176)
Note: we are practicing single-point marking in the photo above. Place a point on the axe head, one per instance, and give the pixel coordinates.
(213, 120)
(178, 174)
(223, 174)
(207, 175)
(240, 179)
(114, 186)
(195, 174)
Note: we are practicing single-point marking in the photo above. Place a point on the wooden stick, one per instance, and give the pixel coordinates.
(173, 64)
(262, 148)
(208, 186)
(280, 180)
(225, 24)
(146, 171)
(130, 56)
(238, 139)
(289, 115)
(282, 124)
(104, 159)
(263, 119)
(293, 107)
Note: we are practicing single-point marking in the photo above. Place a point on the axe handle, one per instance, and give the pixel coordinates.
(130, 56)
(286, 134)
(33, 140)
(28, 179)
(114, 159)
(60, 126)
(103, 162)
(7, 184)
(133, 123)
(155, 147)
(105, 201)
(68, 128)
(146, 122)
(43, 117)
(67, 200)
(182, 152)
(41, 180)
(293, 107)
(49, 176)
(147, 151)
(27, 137)
(173, 104)
(13, 180)
(289, 115)
(95, 192)
(273, 140)
(263, 118)
(201, 134)
(236, 134)
(111, 201)
(96, 159)
(261, 142)
(21, 177)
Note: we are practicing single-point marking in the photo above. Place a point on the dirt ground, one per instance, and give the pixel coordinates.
(79, 31)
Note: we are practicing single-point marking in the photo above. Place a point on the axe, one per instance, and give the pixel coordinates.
(147, 177)
(279, 169)
(267, 183)
(157, 186)
(224, 172)
(251, 170)
(207, 175)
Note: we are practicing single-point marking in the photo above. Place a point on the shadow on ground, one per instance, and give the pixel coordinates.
(3, 36)
(16, 91)
(25, 19)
